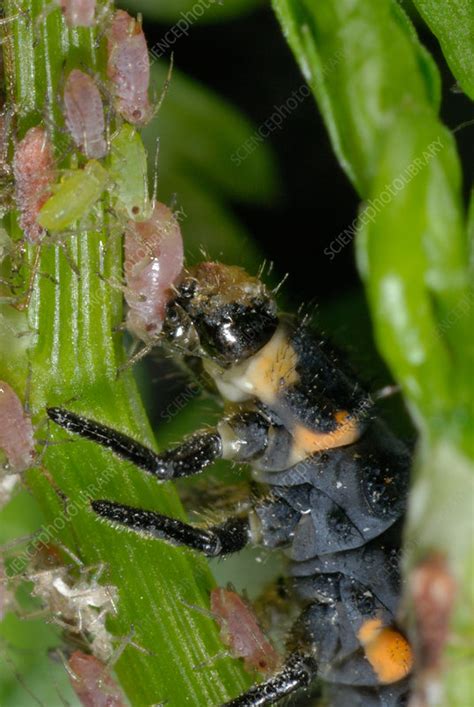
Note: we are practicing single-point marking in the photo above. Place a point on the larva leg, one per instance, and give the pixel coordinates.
(228, 537)
(298, 672)
(189, 458)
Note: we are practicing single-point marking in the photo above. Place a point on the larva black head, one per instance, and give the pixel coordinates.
(221, 312)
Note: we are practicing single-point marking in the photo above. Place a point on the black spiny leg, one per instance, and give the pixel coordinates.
(298, 672)
(191, 457)
(230, 536)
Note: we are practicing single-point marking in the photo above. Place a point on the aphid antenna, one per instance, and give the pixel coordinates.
(155, 174)
(21, 681)
(115, 285)
(67, 551)
(165, 87)
(276, 289)
(125, 641)
(69, 259)
(461, 126)
(212, 659)
(141, 353)
(11, 544)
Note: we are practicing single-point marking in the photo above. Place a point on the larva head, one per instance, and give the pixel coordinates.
(221, 312)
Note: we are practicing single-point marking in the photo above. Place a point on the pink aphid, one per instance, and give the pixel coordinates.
(128, 68)
(153, 263)
(92, 682)
(78, 13)
(241, 632)
(34, 172)
(16, 431)
(84, 114)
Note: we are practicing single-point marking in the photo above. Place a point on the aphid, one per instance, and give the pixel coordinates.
(74, 197)
(337, 478)
(16, 440)
(78, 13)
(240, 631)
(84, 114)
(128, 172)
(34, 172)
(433, 589)
(92, 682)
(128, 68)
(79, 606)
(153, 263)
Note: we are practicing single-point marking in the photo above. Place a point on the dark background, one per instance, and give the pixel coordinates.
(248, 62)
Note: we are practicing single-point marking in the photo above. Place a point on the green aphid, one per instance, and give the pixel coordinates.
(74, 197)
(129, 174)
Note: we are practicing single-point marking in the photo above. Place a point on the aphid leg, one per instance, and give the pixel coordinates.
(136, 357)
(297, 673)
(223, 539)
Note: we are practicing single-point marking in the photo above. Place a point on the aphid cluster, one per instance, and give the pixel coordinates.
(337, 480)
(50, 202)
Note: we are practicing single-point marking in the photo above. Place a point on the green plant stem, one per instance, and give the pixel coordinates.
(70, 357)
(378, 92)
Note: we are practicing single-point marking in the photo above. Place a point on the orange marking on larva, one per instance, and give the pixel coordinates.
(308, 441)
(274, 368)
(388, 652)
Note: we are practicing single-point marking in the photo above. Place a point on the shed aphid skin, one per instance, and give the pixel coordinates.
(16, 441)
(153, 263)
(129, 174)
(84, 114)
(34, 172)
(92, 682)
(128, 68)
(73, 197)
(80, 606)
(241, 631)
(337, 480)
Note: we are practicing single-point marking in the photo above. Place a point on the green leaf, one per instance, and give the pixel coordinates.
(200, 135)
(184, 14)
(452, 21)
(71, 358)
(378, 93)
(357, 84)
